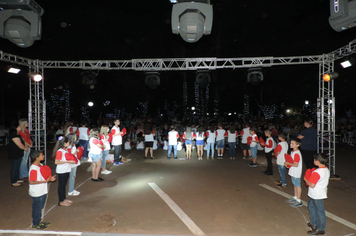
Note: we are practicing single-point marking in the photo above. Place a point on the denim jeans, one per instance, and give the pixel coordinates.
(84, 144)
(15, 170)
(282, 173)
(24, 165)
(170, 150)
(210, 146)
(232, 149)
(103, 162)
(72, 176)
(37, 206)
(317, 213)
(253, 151)
(117, 151)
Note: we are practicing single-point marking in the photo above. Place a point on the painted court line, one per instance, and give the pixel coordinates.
(179, 212)
(328, 214)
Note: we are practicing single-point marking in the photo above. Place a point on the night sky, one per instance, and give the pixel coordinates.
(125, 30)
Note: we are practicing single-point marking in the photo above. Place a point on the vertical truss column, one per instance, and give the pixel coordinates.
(37, 112)
(326, 113)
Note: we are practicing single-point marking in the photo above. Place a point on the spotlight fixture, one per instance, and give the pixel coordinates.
(348, 62)
(330, 76)
(20, 22)
(13, 69)
(203, 78)
(191, 19)
(37, 77)
(342, 14)
(255, 76)
(89, 79)
(152, 80)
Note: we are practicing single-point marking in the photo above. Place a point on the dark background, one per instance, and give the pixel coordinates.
(125, 30)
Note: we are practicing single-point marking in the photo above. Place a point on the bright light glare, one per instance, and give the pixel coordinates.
(14, 70)
(90, 104)
(288, 111)
(306, 102)
(193, 108)
(37, 77)
(346, 64)
(229, 114)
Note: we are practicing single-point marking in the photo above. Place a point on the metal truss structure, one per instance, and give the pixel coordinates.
(37, 112)
(326, 100)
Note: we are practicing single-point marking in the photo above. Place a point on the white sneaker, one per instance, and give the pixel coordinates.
(106, 172)
(74, 193)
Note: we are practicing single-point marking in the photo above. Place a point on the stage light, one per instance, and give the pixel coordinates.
(203, 78)
(37, 77)
(306, 102)
(152, 80)
(342, 14)
(289, 111)
(90, 104)
(348, 62)
(193, 108)
(20, 22)
(330, 76)
(89, 79)
(192, 19)
(255, 76)
(13, 70)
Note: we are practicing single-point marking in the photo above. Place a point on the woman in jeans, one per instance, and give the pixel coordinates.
(210, 133)
(16, 149)
(231, 139)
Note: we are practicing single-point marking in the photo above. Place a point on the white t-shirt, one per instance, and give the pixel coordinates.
(116, 140)
(284, 149)
(245, 134)
(140, 146)
(296, 172)
(254, 138)
(231, 137)
(172, 137)
(94, 149)
(220, 134)
(211, 136)
(37, 190)
(64, 167)
(127, 145)
(321, 186)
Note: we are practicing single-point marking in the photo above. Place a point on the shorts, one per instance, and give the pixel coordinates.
(148, 144)
(95, 157)
(295, 181)
(199, 142)
(244, 146)
(220, 143)
(188, 142)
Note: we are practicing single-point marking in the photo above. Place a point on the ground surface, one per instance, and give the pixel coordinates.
(221, 197)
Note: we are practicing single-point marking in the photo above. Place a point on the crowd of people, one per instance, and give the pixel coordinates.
(74, 143)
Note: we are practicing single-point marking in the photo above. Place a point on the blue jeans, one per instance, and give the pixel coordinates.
(72, 176)
(253, 151)
(282, 173)
(210, 146)
(232, 149)
(103, 162)
(170, 150)
(15, 170)
(37, 206)
(317, 213)
(84, 144)
(24, 166)
(117, 151)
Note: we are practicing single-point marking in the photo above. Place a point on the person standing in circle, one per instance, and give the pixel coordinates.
(148, 134)
(309, 143)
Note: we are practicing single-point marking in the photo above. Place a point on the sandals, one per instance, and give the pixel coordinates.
(68, 201)
(16, 185)
(63, 204)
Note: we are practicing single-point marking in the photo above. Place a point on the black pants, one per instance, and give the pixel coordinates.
(62, 183)
(15, 170)
(117, 151)
(308, 158)
(269, 162)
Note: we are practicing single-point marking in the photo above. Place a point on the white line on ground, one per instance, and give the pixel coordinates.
(176, 209)
(328, 214)
(37, 232)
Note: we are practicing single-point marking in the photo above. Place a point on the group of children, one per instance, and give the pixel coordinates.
(66, 160)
